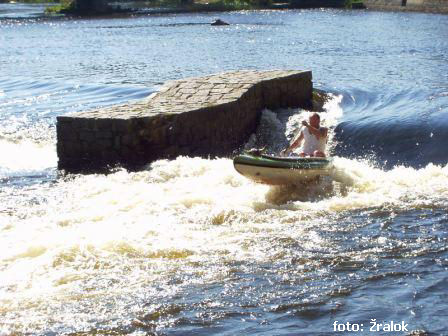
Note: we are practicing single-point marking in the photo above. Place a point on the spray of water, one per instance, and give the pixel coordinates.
(89, 245)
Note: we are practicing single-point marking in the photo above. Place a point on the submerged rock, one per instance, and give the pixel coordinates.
(219, 22)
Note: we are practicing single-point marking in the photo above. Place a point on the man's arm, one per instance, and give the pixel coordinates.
(318, 132)
(295, 144)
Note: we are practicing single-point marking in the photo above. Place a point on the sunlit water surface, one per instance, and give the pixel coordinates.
(189, 247)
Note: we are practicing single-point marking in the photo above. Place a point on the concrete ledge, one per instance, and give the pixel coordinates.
(205, 116)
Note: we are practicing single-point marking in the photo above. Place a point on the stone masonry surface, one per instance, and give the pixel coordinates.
(211, 115)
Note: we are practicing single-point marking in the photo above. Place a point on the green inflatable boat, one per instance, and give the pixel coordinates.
(276, 170)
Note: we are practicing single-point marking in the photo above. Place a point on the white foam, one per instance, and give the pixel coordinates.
(118, 235)
(25, 156)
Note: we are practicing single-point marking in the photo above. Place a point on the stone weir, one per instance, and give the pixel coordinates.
(205, 116)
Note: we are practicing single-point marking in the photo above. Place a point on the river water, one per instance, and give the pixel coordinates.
(189, 247)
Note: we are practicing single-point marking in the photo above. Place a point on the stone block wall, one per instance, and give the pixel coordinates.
(208, 116)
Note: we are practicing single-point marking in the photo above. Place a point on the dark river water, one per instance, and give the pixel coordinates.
(189, 247)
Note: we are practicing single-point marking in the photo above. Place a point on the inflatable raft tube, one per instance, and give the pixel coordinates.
(281, 170)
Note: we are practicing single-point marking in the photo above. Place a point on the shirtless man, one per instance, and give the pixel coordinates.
(314, 137)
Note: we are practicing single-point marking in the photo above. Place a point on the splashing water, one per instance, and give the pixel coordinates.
(96, 246)
(98, 236)
(277, 129)
(34, 157)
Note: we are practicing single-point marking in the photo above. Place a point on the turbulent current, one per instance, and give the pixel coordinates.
(189, 246)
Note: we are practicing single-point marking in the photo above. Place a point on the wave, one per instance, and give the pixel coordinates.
(26, 158)
(126, 205)
(175, 224)
(186, 208)
(405, 128)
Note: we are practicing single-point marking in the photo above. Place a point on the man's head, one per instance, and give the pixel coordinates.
(315, 120)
